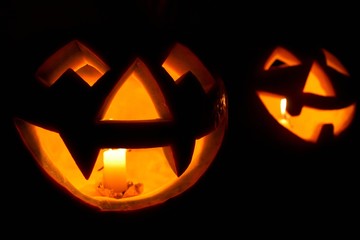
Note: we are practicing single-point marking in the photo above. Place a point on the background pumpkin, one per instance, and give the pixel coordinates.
(318, 100)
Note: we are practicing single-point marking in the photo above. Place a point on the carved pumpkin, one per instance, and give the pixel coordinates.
(120, 139)
(310, 95)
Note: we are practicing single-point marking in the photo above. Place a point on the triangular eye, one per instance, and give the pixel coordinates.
(281, 57)
(334, 63)
(137, 96)
(75, 56)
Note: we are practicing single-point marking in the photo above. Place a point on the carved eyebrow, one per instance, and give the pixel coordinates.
(281, 57)
(76, 56)
(334, 63)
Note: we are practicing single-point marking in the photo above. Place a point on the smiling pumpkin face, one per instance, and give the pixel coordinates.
(169, 123)
(310, 96)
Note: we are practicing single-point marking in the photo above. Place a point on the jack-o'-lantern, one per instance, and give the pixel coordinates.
(309, 95)
(120, 139)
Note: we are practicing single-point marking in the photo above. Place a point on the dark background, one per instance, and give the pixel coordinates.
(263, 181)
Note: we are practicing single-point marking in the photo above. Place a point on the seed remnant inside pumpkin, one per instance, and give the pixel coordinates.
(131, 191)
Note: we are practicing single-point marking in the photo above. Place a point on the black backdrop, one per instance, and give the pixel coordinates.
(260, 182)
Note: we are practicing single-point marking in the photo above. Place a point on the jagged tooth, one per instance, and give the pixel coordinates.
(84, 153)
(182, 152)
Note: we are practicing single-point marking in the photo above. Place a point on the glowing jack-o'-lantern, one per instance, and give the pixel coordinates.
(309, 97)
(126, 140)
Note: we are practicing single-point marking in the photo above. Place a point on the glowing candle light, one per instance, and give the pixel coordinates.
(283, 107)
(114, 176)
(283, 120)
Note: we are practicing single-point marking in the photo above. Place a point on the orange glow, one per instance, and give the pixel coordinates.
(76, 57)
(182, 60)
(136, 97)
(114, 170)
(318, 82)
(283, 103)
(282, 55)
(308, 124)
(146, 165)
(334, 63)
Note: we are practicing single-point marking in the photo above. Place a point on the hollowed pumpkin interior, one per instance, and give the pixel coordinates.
(136, 97)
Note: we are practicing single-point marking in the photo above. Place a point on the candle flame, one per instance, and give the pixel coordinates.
(285, 121)
(283, 103)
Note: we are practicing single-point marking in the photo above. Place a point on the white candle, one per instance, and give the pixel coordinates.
(114, 176)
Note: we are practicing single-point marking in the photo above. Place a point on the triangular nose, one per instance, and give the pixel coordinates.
(318, 82)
